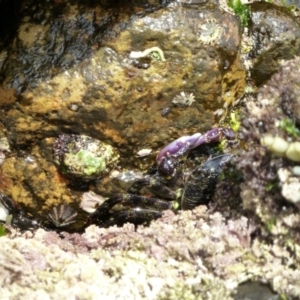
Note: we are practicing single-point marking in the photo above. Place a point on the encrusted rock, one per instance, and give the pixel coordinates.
(275, 35)
(271, 191)
(82, 157)
(110, 95)
(290, 186)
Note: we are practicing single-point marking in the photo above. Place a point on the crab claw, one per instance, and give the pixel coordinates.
(167, 158)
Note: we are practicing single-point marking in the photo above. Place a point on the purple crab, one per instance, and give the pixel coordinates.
(170, 188)
(197, 188)
(168, 158)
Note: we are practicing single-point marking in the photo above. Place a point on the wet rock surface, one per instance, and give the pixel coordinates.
(53, 36)
(268, 116)
(255, 290)
(106, 94)
(110, 97)
(275, 36)
(78, 68)
(271, 187)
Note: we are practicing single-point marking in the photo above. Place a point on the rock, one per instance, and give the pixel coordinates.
(74, 73)
(275, 35)
(270, 191)
(82, 158)
(116, 100)
(96, 89)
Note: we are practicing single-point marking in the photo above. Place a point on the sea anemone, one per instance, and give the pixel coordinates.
(183, 99)
(209, 31)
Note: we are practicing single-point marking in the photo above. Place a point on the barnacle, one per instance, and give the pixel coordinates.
(183, 99)
(209, 31)
(62, 215)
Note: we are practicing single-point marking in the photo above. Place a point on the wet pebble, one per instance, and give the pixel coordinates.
(255, 291)
(165, 111)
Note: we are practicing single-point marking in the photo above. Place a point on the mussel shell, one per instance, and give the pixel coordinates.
(201, 183)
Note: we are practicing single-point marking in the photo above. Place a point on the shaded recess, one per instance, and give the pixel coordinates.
(54, 36)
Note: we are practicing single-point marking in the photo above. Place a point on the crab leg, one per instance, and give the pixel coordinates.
(133, 206)
(156, 186)
(131, 200)
(135, 216)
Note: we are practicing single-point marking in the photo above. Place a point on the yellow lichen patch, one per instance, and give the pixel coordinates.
(233, 83)
(28, 124)
(35, 182)
(111, 132)
(14, 172)
(8, 96)
(21, 195)
(30, 33)
(55, 94)
(123, 43)
(5, 181)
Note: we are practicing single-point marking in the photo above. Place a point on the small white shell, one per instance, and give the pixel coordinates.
(3, 213)
(144, 152)
(90, 201)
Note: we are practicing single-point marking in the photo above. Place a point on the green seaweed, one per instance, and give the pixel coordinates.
(2, 230)
(242, 10)
(235, 122)
(272, 186)
(271, 223)
(269, 186)
(289, 127)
